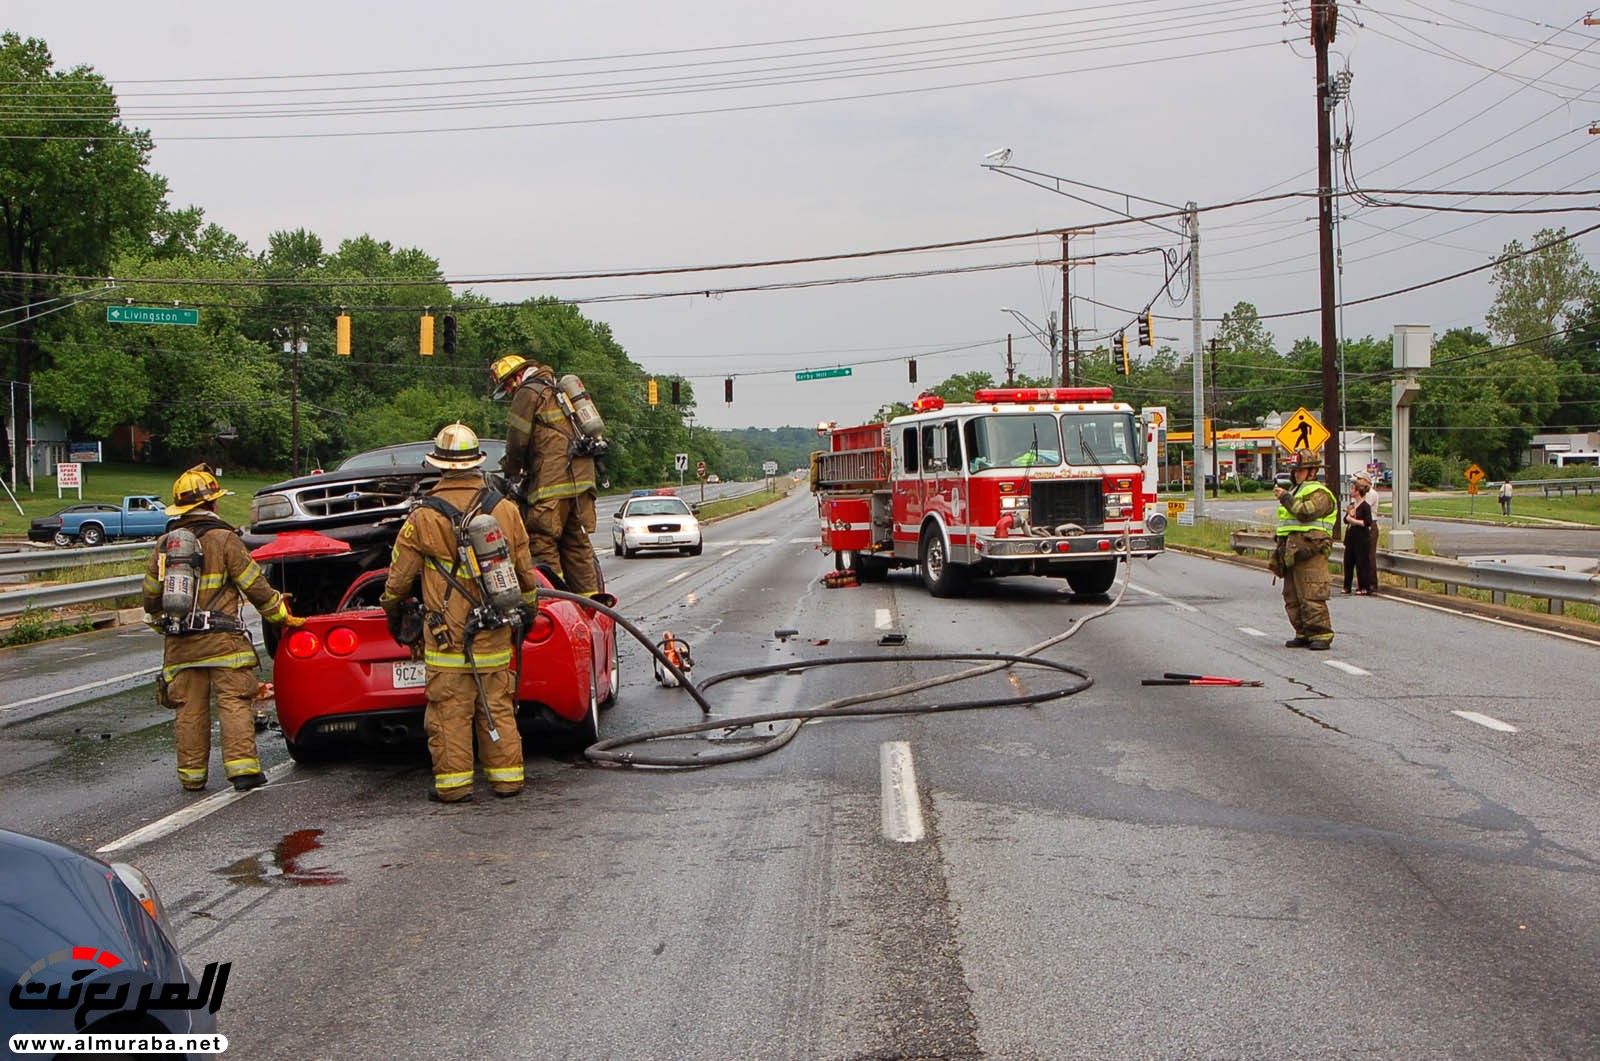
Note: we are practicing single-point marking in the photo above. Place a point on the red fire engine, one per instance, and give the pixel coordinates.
(1032, 481)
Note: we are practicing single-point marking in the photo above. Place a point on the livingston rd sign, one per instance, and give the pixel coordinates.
(151, 315)
(822, 373)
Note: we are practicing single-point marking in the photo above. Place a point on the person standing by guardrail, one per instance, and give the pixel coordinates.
(1360, 540)
(1307, 513)
(1505, 498)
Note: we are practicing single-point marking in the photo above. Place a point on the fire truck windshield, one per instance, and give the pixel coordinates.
(1093, 439)
(1100, 438)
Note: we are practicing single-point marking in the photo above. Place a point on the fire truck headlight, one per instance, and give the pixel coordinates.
(1155, 522)
(1019, 505)
(1118, 505)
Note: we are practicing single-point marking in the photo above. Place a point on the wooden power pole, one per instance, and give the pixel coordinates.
(1324, 25)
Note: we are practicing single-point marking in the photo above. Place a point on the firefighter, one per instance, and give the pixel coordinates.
(557, 484)
(200, 610)
(1307, 513)
(467, 644)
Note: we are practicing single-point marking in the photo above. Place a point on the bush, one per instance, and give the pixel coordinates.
(1427, 470)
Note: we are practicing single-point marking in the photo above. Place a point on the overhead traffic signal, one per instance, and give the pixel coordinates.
(654, 394)
(450, 334)
(1146, 328)
(677, 393)
(1119, 348)
(425, 342)
(912, 366)
(341, 335)
(727, 390)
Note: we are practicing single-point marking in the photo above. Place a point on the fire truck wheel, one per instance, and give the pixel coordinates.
(1093, 578)
(942, 578)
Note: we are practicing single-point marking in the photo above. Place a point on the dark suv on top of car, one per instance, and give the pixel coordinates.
(361, 502)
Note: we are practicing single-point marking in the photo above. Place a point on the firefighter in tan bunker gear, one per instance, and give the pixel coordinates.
(208, 647)
(1307, 513)
(559, 486)
(429, 547)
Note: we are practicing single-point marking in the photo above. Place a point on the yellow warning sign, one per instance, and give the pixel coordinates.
(1302, 431)
(1474, 474)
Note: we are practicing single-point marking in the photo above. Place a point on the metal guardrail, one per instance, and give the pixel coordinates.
(17, 601)
(1559, 486)
(1498, 580)
(54, 558)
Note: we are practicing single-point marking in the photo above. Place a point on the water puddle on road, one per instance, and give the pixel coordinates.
(285, 865)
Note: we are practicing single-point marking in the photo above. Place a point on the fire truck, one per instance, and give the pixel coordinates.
(1019, 481)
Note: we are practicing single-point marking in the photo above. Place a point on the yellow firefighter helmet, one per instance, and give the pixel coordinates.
(504, 370)
(194, 488)
(455, 448)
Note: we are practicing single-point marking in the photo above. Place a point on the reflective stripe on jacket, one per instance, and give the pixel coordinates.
(1310, 507)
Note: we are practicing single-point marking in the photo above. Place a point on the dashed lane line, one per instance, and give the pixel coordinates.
(1485, 720)
(902, 807)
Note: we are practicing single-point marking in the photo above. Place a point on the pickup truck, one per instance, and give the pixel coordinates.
(140, 516)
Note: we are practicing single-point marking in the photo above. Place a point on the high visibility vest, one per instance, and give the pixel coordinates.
(1289, 523)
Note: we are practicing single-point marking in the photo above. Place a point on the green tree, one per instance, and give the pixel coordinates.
(74, 187)
(1537, 291)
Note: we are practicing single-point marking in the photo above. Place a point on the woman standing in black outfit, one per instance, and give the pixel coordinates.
(1360, 537)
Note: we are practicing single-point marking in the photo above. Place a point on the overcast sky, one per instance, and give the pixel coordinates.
(515, 140)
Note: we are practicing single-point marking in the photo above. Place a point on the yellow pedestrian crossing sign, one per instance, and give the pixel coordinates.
(1302, 431)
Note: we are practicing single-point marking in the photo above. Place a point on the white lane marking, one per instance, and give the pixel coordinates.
(1160, 597)
(753, 541)
(146, 673)
(730, 552)
(1485, 720)
(880, 618)
(902, 809)
(803, 541)
(187, 816)
(1348, 668)
(1252, 631)
(680, 574)
(1497, 622)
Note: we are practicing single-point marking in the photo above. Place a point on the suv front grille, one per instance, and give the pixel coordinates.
(362, 495)
(1053, 502)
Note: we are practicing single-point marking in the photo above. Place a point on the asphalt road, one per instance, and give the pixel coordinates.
(1337, 863)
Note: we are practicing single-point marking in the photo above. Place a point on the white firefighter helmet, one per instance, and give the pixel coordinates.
(455, 448)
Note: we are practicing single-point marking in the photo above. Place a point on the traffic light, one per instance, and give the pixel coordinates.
(912, 366)
(1122, 348)
(655, 395)
(727, 390)
(677, 393)
(450, 334)
(341, 335)
(426, 341)
(1146, 328)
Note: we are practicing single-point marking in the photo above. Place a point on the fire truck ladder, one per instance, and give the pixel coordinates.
(853, 469)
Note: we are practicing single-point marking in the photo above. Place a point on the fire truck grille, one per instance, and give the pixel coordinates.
(1057, 501)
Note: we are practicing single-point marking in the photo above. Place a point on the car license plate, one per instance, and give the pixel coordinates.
(410, 675)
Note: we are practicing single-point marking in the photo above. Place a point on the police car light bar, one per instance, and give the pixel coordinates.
(997, 395)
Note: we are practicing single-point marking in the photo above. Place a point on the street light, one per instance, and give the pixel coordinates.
(1000, 162)
(1046, 337)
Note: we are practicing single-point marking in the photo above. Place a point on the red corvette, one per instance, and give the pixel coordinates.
(341, 678)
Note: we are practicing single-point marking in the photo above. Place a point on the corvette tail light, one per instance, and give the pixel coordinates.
(543, 626)
(342, 641)
(303, 644)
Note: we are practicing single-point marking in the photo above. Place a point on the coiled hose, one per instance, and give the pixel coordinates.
(611, 751)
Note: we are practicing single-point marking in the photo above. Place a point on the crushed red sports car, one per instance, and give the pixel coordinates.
(341, 679)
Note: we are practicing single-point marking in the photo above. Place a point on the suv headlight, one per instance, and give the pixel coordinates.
(270, 506)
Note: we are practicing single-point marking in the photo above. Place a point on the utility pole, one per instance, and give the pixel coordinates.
(1216, 468)
(1324, 26)
(1011, 369)
(1066, 313)
(294, 395)
(1199, 354)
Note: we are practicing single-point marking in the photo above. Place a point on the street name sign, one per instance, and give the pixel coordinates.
(822, 373)
(151, 315)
